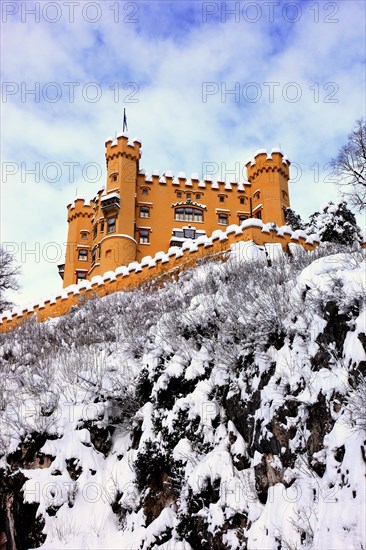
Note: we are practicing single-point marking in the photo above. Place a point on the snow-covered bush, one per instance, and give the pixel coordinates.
(222, 410)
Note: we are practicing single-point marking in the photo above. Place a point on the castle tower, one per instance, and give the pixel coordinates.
(113, 231)
(78, 259)
(269, 175)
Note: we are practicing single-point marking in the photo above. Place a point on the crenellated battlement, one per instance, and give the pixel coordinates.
(122, 146)
(262, 162)
(79, 208)
(194, 183)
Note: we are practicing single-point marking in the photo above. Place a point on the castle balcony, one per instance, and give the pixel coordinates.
(61, 270)
(110, 203)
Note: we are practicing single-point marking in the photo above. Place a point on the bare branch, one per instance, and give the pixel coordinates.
(350, 167)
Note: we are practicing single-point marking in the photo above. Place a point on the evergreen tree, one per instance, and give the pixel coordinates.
(294, 220)
(335, 224)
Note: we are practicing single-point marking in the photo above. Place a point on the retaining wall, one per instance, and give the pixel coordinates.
(163, 264)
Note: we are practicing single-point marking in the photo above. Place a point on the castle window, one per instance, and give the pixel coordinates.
(179, 195)
(111, 224)
(198, 196)
(197, 215)
(242, 200)
(188, 214)
(179, 214)
(80, 276)
(101, 226)
(259, 215)
(284, 195)
(114, 177)
(223, 219)
(221, 198)
(144, 212)
(144, 236)
(95, 231)
(242, 218)
(189, 233)
(83, 255)
(145, 191)
(61, 270)
(94, 255)
(84, 236)
(257, 195)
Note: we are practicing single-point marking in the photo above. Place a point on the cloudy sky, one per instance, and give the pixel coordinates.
(202, 82)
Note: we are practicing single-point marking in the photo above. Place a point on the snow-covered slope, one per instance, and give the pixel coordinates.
(224, 410)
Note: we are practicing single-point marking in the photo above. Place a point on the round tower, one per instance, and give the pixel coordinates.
(269, 175)
(78, 250)
(113, 235)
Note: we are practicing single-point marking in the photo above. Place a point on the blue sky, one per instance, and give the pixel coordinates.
(161, 58)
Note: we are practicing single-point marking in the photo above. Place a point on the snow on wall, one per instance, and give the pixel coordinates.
(137, 272)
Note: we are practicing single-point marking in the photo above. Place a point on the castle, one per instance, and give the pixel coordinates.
(137, 215)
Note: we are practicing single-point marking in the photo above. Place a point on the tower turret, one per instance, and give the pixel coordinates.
(122, 158)
(269, 175)
(78, 251)
(113, 238)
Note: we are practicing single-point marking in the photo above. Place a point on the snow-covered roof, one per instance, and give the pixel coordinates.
(109, 196)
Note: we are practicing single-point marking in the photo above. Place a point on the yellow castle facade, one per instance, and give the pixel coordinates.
(137, 215)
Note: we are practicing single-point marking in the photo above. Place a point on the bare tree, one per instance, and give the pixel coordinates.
(9, 272)
(350, 167)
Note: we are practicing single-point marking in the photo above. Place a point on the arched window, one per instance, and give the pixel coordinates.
(188, 214)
